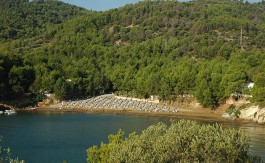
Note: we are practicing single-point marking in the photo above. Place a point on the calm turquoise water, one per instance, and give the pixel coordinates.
(53, 137)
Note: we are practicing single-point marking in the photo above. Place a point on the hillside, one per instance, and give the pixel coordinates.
(164, 48)
(24, 19)
(26, 25)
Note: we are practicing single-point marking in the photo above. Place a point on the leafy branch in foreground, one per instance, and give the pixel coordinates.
(5, 155)
(181, 141)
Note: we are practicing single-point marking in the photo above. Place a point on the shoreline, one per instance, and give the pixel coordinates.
(112, 104)
(182, 114)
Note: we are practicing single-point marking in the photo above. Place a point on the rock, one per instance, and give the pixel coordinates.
(253, 113)
(229, 116)
(249, 113)
(261, 117)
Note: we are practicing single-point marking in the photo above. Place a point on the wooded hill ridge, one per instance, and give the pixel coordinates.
(164, 48)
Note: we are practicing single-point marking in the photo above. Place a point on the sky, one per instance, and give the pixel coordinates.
(102, 5)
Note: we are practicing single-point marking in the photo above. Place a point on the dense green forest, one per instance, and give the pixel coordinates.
(164, 48)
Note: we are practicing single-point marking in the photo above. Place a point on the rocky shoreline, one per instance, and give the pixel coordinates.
(251, 113)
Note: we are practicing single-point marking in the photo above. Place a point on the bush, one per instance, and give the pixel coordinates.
(5, 155)
(182, 141)
(232, 110)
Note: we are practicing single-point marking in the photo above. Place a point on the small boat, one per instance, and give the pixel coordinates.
(10, 112)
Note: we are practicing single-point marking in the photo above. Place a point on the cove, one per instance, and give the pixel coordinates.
(53, 137)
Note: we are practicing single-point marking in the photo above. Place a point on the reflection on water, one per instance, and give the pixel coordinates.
(54, 137)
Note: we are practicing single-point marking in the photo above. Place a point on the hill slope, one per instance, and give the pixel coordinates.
(24, 19)
(150, 48)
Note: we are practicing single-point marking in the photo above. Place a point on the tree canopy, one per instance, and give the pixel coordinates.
(164, 48)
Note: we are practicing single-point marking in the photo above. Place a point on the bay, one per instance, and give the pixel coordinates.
(54, 137)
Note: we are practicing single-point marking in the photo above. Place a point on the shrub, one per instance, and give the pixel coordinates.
(181, 141)
(232, 110)
(5, 155)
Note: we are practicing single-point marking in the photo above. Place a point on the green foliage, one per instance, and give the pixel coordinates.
(259, 88)
(23, 19)
(181, 141)
(16, 78)
(5, 155)
(39, 97)
(232, 110)
(164, 48)
(20, 78)
(102, 154)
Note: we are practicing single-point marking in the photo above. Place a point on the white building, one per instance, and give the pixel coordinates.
(249, 85)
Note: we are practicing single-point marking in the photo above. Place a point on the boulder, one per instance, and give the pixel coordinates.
(253, 113)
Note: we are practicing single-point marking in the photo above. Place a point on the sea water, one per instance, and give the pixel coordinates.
(41, 137)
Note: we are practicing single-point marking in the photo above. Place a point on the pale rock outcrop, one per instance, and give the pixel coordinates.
(229, 116)
(253, 113)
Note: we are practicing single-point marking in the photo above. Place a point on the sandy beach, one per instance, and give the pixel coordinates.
(194, 114)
